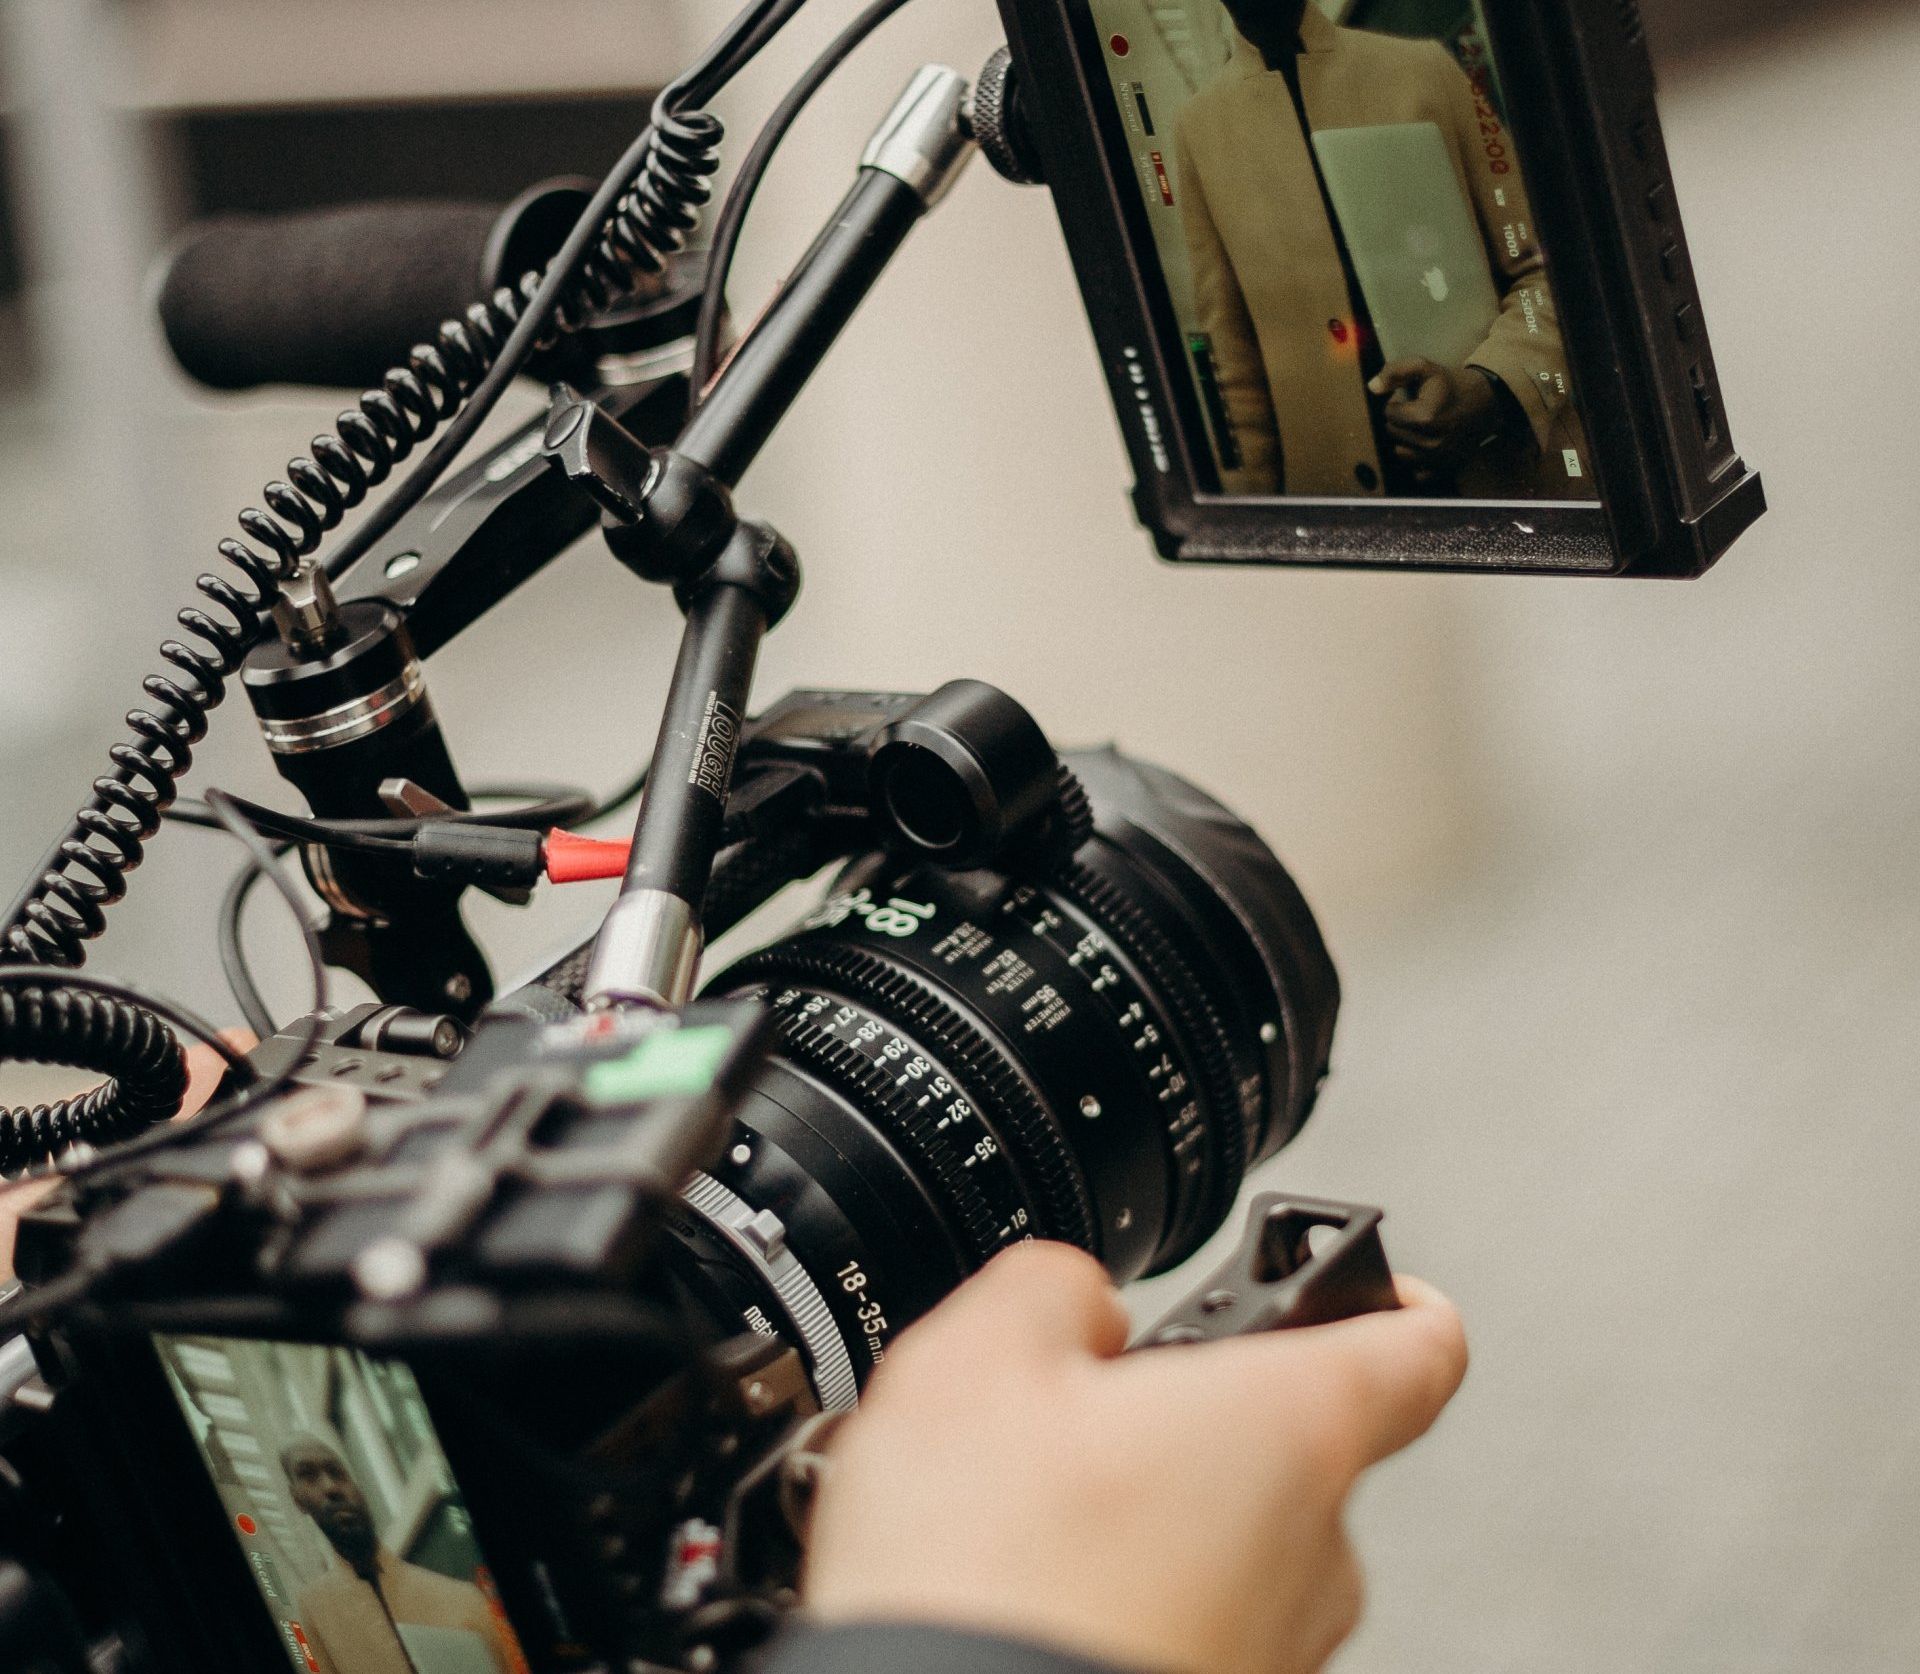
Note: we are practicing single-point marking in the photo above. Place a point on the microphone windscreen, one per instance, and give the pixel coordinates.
(331, 298)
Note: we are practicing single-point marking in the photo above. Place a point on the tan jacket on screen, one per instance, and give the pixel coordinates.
(349, 1629)
(1271, 289)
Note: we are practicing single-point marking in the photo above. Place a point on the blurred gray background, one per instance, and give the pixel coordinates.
(1622, 878)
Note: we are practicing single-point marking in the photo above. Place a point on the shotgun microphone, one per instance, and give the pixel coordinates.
(334, 297)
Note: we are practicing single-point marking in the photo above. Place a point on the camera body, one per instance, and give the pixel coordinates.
(552, 1391)
(607, 1272)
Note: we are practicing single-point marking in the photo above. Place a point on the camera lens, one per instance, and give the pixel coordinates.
(1093, 1053)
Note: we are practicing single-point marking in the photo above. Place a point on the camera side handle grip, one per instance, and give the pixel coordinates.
(1283, 1277)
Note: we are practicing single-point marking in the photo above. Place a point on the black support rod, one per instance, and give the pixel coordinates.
(912, 162)
(759, 385)
(648, 951)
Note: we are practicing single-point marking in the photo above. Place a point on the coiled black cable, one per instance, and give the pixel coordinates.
(125, 1042)
(65, 907)
(641, 216)
(90, 1022)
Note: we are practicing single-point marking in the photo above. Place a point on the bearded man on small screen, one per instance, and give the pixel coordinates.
(358, 1617)
(1314, 409)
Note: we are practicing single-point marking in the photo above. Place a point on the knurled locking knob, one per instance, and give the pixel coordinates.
(999, 123)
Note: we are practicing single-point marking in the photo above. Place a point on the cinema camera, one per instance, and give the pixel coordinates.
(471, 1333)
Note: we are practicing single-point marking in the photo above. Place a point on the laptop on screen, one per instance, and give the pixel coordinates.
(1415, 243)
(434, 1650)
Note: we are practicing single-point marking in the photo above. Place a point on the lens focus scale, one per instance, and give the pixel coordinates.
(927, 1009)
(917, 1100)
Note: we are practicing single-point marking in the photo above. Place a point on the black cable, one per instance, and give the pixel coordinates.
(93, 1023)
(560, 808)
(252, 1091)
(360, 836)
(258, 1091)
(731, 220)
(186, 1021)
(623, 798)
(233, 953)
(49, 1137)
(35, 1303)
(543, 807)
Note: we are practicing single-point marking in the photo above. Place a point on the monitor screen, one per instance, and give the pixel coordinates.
(344, 1506)
(1334, 198)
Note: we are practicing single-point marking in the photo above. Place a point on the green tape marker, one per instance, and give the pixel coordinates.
(670, 1064)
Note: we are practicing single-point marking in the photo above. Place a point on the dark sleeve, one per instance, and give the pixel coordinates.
(896, 1649)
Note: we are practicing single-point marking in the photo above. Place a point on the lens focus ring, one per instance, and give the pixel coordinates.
(1201, 1031)
(1042, 1153)
(914, 1089)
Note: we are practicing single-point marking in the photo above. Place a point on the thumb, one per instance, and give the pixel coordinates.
(206, 1068)
(1400, 1368)
(1399, 374)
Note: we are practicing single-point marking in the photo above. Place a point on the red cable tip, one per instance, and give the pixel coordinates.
(572, 859)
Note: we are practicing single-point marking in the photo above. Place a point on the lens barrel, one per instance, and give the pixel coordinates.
(1095, 1053)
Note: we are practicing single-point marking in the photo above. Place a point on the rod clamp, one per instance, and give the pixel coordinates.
(925, 141)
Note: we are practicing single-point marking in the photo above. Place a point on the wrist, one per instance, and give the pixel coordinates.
(1505, 417)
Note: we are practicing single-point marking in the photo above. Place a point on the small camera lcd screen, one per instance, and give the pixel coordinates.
(344, 1506)
(1334, 194)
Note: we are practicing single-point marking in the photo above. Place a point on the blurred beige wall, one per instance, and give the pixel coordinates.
(1789, 673)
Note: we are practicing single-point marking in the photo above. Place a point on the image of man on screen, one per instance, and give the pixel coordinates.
(1314, 406)
(373, 1612)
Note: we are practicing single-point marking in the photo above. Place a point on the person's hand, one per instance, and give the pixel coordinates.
(204, 1069)
(1175, 1510)
(1438, 417)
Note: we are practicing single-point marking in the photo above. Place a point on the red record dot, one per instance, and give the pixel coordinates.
(246, 1525)
(1121, 46)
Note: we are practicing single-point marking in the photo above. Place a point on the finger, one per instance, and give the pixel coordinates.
(1413, 434)
(1402, 1368)
(1035, 1299)
(1399, 374)
(1362, 1388)
(1432, 395)
(205, 1067)
(1410, 413)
